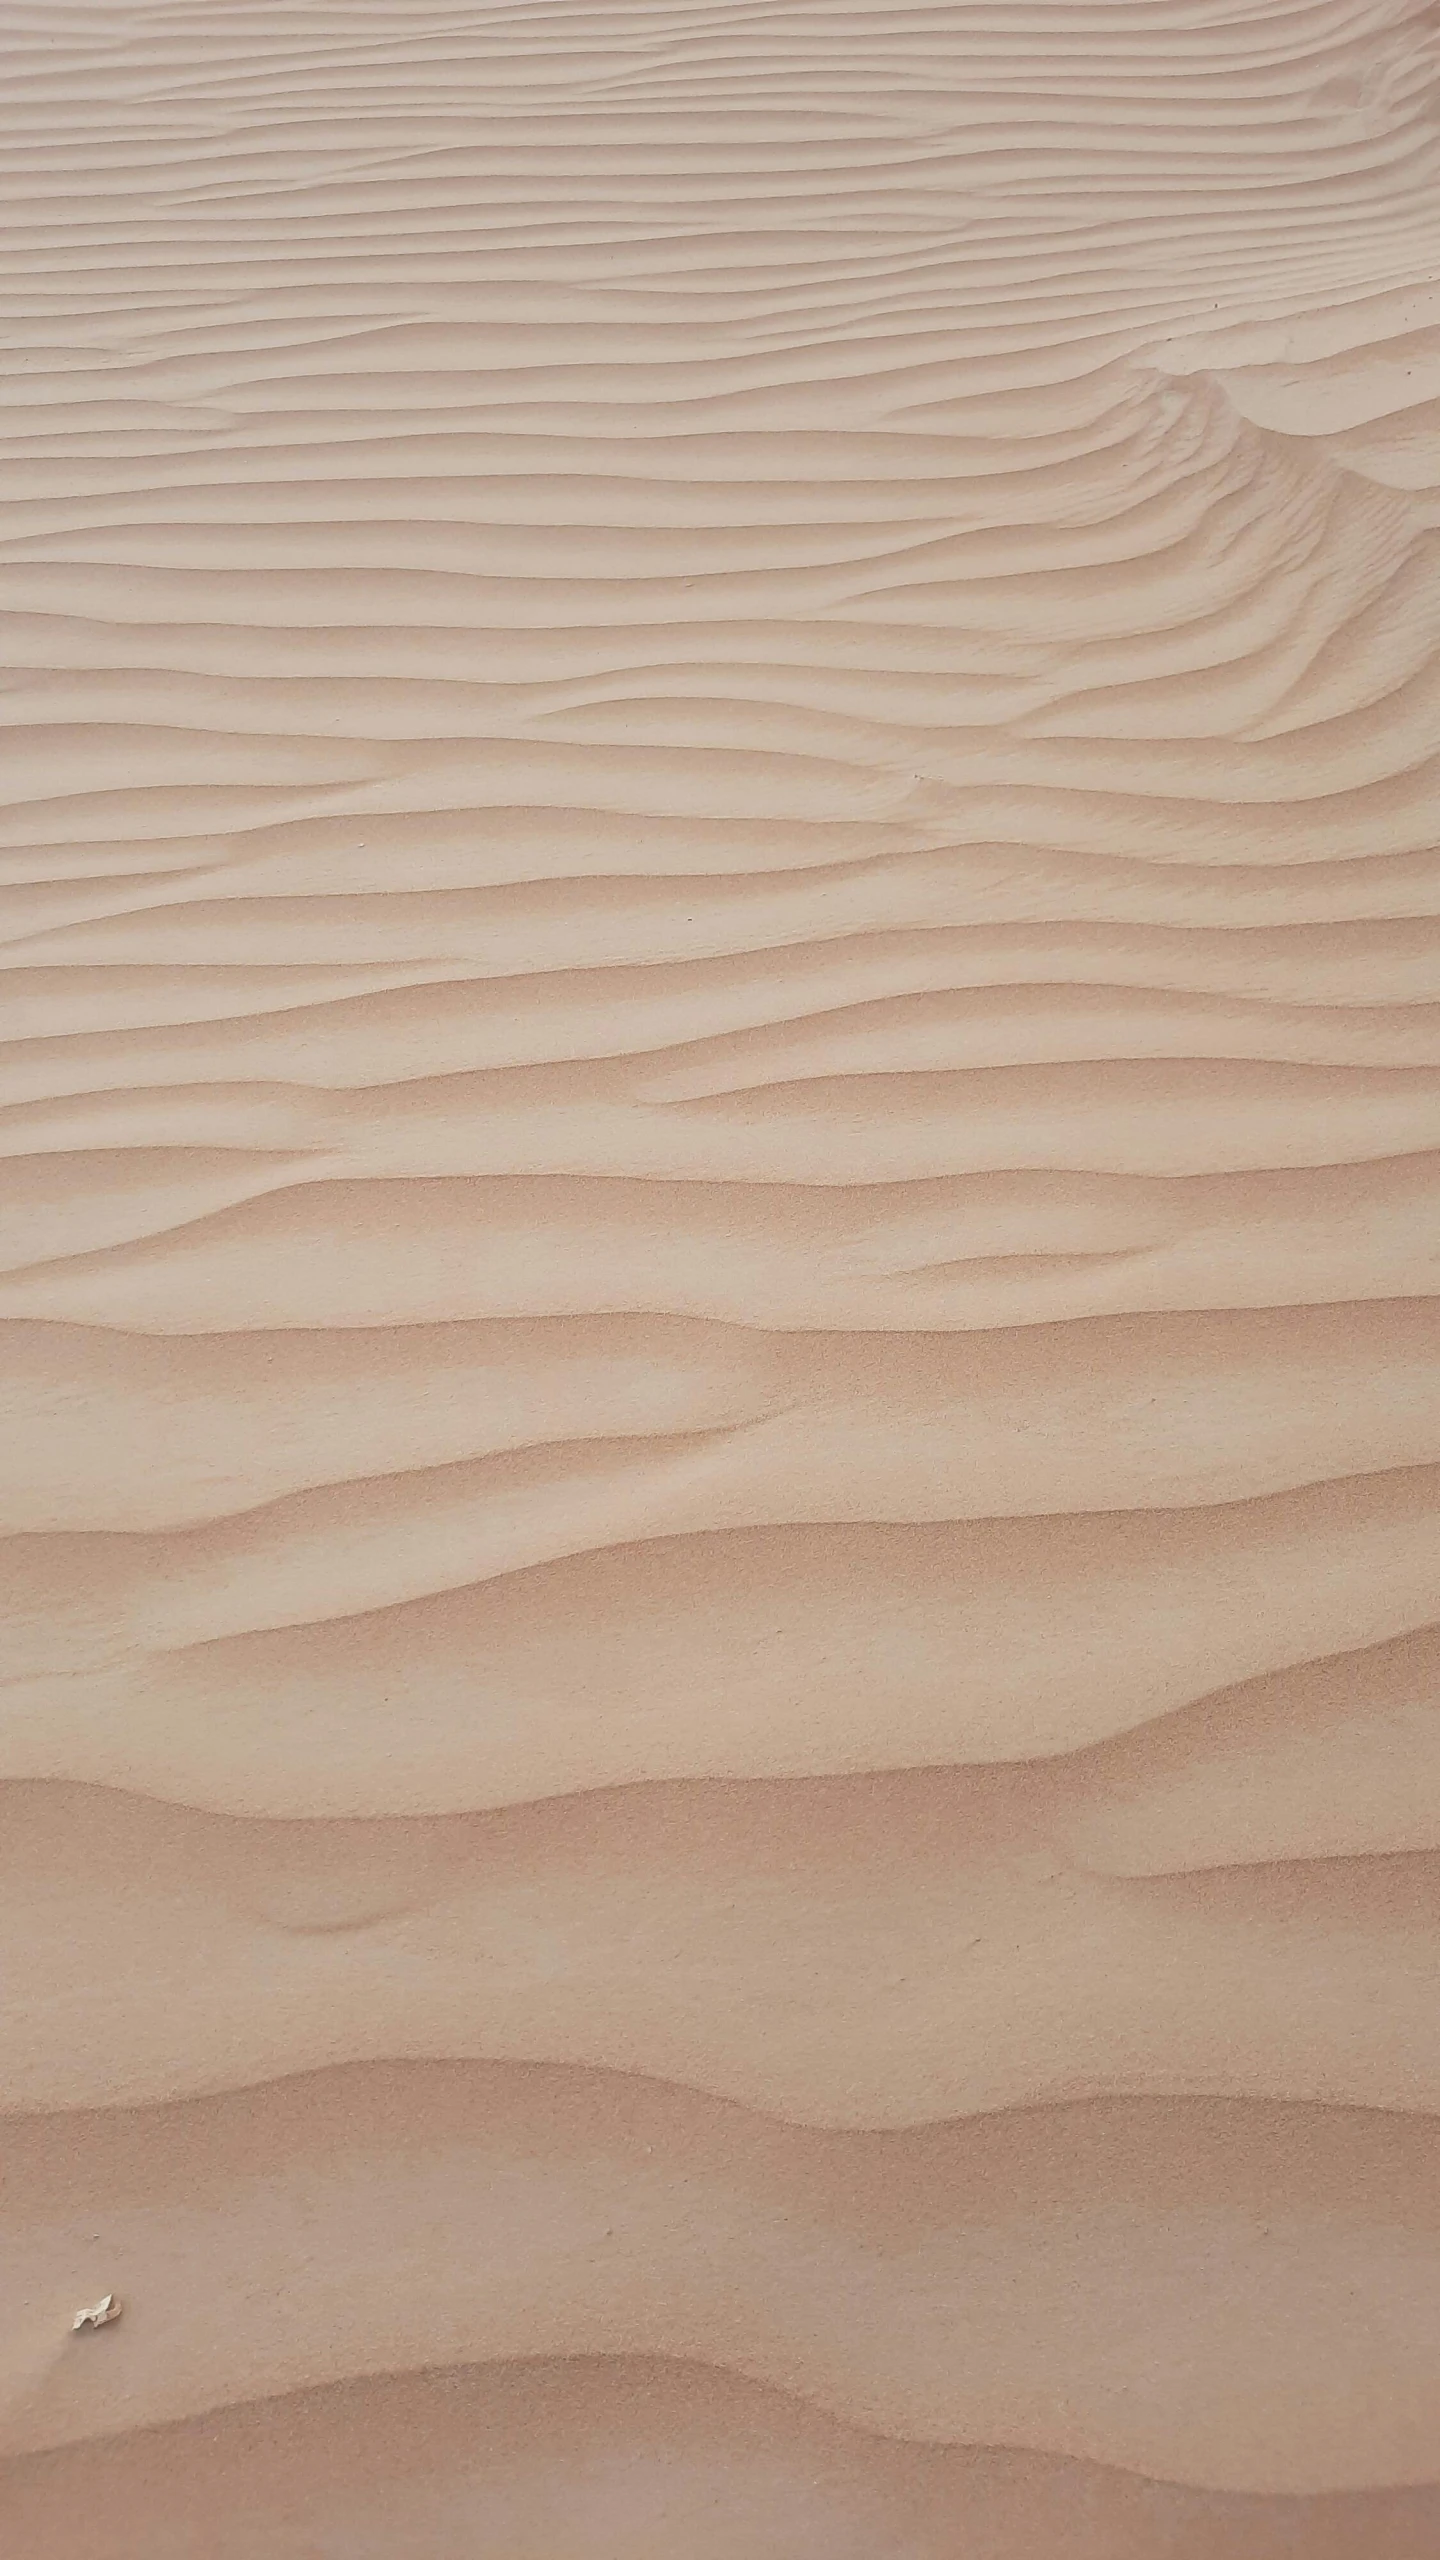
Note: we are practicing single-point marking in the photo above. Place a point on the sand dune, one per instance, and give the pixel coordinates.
(719, 1368)
(727, 1654)
(1012, 2280)
(559, 2460)
(718, 1426)
(927, 1947)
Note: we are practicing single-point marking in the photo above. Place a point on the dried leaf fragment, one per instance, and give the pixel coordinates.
(99, 2314)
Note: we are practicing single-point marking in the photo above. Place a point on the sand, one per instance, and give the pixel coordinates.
(720, 1378)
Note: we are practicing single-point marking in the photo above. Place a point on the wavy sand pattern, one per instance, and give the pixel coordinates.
(721, 1110)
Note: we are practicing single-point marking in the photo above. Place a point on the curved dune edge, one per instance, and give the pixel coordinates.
(731, 1653)
(959, 1253)
(620, 2459)
(930, 1946)
(315, 1444)
(1003, 2281)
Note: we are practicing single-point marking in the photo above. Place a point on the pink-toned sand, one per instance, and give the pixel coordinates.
(719, 1362)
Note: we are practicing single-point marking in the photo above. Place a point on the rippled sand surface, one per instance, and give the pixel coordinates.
(719, 1363)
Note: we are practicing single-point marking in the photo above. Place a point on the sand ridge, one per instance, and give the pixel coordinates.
(719, 1397)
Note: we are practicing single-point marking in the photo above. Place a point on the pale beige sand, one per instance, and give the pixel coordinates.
(719, 1365)
(638, 2460)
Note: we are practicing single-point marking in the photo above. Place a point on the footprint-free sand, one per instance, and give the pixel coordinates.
(719, 1353)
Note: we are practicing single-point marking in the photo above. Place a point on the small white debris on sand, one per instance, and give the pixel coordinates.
(99, 2314)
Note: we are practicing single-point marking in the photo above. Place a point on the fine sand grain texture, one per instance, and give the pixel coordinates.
(719, 1350)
